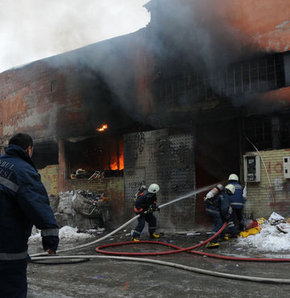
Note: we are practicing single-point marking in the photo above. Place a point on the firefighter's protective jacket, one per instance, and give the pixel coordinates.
(144, 201)
(218, 205)
(23, 203)
(237, 199)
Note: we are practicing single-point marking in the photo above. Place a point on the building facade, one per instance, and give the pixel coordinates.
(179, 103)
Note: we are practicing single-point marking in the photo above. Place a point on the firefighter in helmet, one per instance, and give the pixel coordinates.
(145, 205)
(217, 203)
(237, 202)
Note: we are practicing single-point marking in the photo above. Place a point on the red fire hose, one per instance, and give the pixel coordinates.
(178, 249)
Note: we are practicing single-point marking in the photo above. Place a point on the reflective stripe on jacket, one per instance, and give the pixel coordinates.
(237, 199)
(23, 203)
(144, 201)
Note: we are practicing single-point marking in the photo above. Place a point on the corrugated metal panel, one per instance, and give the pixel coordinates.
(159, 157)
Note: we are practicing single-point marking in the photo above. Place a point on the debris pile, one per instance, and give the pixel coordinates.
(98, 174)
(83, 209)
(83, 174)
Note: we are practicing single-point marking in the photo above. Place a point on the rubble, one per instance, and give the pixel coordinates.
(275, 218)
(85, 210)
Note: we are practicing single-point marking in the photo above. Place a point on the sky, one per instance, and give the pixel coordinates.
(35, 29)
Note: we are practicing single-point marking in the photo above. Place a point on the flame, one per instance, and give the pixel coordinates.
(102, 128)
(114, 165)
(121, 162)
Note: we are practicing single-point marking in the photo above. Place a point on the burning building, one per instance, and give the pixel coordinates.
(183, 103)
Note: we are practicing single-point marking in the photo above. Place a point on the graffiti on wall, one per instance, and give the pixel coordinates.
(274, 167)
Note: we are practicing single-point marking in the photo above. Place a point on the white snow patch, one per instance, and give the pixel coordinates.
(268, 240)
(66, 234)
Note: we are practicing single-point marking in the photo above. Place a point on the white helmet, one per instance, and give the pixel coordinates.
(153, 188)
(230, 188)
(233, 177)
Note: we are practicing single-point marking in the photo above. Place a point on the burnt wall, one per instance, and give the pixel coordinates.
(45, 154)
(34, 99)
(50, 100)
(164, 157)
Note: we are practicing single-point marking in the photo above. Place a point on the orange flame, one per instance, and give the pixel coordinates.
(102, 128)
(114, 165)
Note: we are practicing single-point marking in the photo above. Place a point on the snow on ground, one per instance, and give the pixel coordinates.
(66, 234)
(270, 239)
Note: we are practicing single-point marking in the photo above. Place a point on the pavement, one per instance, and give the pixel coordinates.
(125, 278)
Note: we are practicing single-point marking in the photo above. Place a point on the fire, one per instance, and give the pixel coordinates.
(102, 128)
(115, 166)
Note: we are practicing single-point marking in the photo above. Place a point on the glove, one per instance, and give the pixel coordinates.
(141, 213)
(227, 217)
(154, 208)
(50, 243)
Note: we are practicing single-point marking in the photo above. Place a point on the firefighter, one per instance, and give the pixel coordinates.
(23, 203)
(218, 207)
(237, 202)
(145, 205)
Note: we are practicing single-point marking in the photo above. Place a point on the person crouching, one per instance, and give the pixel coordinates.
(218, 207)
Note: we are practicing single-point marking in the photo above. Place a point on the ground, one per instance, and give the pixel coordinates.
(115, 278)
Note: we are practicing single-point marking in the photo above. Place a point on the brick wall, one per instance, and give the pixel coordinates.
(273, 192)
(49, 177)
(41, 100)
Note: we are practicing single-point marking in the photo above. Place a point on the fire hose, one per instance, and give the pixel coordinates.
(42, 256)
(128, 222)
(81, 258)
(178, 249)
(178, 266)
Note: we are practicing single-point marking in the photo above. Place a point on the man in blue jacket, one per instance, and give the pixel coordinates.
(23, 203)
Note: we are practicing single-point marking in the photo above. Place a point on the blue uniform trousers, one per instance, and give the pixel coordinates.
(13, 279)
(218, 223)
(238, 218)
(151, 219)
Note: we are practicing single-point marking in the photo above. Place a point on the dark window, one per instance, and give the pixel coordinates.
(285, 131)
(52, 86)
(187, 87)
(259, 132)
(45, 154)
(103, 154)
(258, 75)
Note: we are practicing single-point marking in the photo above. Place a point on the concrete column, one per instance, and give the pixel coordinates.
(62, 166)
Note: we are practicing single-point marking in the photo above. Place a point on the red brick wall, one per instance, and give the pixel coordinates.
(38, 99)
